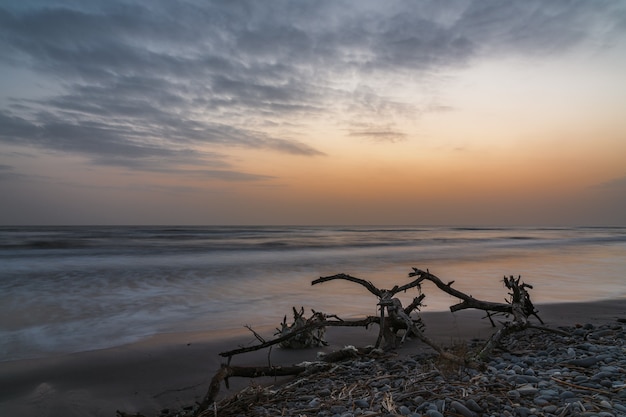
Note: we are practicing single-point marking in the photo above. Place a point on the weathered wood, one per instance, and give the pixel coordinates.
(521, 297)
(271, 342)
(313, 325)
(310, 338)
(226, 372)
(468, 300)
(367, 284)
(388, 326)
(393, 316)
(381, 293)
(415, 304)
(396, 314)
(520, 307)
(520, 303)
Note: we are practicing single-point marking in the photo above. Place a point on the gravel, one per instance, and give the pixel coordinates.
(534, 373)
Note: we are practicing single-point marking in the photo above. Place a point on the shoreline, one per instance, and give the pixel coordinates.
(174, 370)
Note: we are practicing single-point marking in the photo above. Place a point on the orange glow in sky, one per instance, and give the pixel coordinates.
(314, 113)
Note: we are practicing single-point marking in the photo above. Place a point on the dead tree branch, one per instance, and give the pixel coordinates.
(393, 317)
(311, 326)
(519, 304)
(370, 287)
(367, 284)
(520, 307)
(397, 316)
(227, 371)
(468, 300)
(310, 338)
(390, 325)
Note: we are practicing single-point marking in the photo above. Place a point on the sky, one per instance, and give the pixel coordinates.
(313, 112)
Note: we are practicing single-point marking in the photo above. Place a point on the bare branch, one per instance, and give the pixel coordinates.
(258, 336)
(310, 326)
(415, 283)
(367, 284)
(468, 300)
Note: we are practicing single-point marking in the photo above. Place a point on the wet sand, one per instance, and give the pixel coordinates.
(174, 370)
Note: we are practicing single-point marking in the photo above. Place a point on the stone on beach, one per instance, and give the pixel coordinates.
(419, 385)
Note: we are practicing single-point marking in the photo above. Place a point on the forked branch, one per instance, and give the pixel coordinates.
(367, 284)
(371, 287)
(520, 299)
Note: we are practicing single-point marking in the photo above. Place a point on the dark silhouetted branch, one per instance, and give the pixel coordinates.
(367, 284)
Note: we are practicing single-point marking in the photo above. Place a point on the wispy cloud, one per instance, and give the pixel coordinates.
(5, 170)
(9, 173)
(161, 82)
(377, 132)
(380, 135)
(613, 184)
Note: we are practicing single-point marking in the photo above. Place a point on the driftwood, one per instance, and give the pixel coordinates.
(227, 371)
(308, 327)
(310, 338)
(398, 317)
(393, 317)
(519, 306)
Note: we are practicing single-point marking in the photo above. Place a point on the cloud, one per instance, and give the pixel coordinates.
(389, 136)
(615, 184)
(225, 175)
(139, 82)
(135, 96)
(377, 133)
(7, 172)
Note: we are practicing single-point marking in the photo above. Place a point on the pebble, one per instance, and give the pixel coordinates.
(461, 409)
(404, 410)
(542, 374)
(584, 362)
(323, 392)
(473, 405)
(513, 394)
(362, 403)
(527, 390)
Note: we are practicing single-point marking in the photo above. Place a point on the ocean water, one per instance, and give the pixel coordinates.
(69, 289)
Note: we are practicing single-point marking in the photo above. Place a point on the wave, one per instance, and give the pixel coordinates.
(136, 280)
(226, 238)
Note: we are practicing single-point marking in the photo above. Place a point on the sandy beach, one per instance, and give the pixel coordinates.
(173, 370)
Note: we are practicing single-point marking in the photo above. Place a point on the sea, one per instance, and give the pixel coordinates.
(80, 288)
